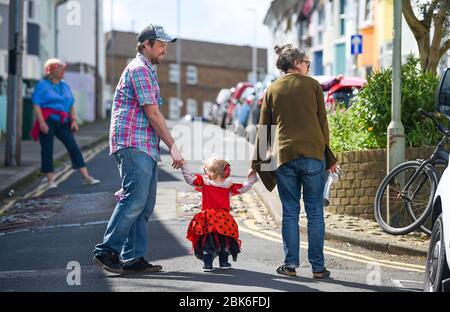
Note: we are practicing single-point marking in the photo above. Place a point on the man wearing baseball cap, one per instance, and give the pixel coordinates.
(137, 126)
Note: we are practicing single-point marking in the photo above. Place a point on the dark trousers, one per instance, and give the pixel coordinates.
(223, 258)
(64, 134)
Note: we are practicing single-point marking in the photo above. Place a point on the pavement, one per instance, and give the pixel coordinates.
(339, 227)
(351, 230)
(11, 178)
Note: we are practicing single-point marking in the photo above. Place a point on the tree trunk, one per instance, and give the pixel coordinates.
(430, 50)
(424, 50)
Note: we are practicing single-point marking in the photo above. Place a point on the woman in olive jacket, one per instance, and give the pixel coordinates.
(294, 105)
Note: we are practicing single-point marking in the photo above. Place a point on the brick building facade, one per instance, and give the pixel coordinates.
(205, 69)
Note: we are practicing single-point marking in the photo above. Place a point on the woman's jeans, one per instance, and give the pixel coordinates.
(63, 132)
(127, 230)
(308, 174)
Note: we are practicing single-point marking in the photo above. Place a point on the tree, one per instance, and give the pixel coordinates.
(434, 16)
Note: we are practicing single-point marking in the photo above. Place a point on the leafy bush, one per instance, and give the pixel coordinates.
(364, 125)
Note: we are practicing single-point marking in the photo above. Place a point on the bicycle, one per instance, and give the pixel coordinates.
(404, 198)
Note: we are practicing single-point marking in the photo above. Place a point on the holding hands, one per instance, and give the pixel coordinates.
(177, 158)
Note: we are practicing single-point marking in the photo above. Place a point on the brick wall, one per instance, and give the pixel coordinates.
(354, 193)
(210, 80)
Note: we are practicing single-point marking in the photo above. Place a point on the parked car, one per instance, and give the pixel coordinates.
(437, 272)
(219, 109)
(222, 109)
(242, 110)
(235, 99)
(342, 90)
(255, 110)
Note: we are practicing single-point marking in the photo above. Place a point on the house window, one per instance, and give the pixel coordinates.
(174, 73)
(31, 10)
(320, 37)
(321, 16)
(367, 11)
(191, 75)
(342, 4)
(174, 108)
(207, 109)
(191, 107)
(33, 38)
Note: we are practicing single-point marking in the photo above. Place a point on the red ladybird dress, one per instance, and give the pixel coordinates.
(214, 228)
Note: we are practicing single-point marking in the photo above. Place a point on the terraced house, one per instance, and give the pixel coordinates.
(326, 29)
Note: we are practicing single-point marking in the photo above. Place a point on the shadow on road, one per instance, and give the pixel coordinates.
(241, 277)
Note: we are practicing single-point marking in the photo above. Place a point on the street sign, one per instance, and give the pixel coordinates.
(356, 43)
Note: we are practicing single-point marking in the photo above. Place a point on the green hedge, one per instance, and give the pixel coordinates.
(364, 124)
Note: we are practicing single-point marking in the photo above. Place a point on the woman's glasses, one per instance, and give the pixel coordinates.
(308, 63)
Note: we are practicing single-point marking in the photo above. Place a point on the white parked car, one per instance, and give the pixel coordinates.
(437, 273)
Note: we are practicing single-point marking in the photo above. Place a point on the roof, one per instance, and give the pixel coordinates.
(193, 52)
(353, 82)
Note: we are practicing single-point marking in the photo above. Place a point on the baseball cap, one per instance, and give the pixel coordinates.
(157, 32)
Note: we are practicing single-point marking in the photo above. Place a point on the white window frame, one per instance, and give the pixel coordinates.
(174, 73)
(174, 108)
(368, 11)
(320, 28)
(305, 30)
(190, 104)
(191, 75)
(207, 109)
(342, 18)
(33, 18)
(319, 23)
(366, 20)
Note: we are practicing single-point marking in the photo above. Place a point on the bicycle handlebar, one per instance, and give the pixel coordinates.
(441, 128)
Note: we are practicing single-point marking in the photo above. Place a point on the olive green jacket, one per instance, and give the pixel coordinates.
(294, 105)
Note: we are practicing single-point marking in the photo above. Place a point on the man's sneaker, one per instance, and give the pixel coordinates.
(109, 261)
(225, 266)
(90, 181)
(208, 268)
(284, 270)
(321, 275)
(140, 265)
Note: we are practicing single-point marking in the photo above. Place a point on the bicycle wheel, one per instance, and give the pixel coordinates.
(427, 225)
(394, 209)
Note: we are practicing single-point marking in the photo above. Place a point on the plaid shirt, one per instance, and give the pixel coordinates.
(138, 86)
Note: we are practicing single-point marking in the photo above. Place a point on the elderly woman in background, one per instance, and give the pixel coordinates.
(56, 116)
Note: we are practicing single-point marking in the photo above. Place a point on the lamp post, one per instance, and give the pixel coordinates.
(178, 52)
(254, 49)
(14, 95)
(98, 78)
(111, 49)
(396, 131)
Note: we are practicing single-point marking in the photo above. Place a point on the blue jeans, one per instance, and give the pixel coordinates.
(63, 132)
(309, 174)
(127, 230)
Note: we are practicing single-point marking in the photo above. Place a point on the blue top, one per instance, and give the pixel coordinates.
(55, 96)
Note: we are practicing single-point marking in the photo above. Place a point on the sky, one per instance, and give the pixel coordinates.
(222, 21)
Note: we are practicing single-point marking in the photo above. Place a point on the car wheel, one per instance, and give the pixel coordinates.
(436, 269)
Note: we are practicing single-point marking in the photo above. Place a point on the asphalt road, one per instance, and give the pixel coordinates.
(58, 255)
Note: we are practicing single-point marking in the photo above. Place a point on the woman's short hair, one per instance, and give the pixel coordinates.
(140, 45)
(287, 55)
(51, 65)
